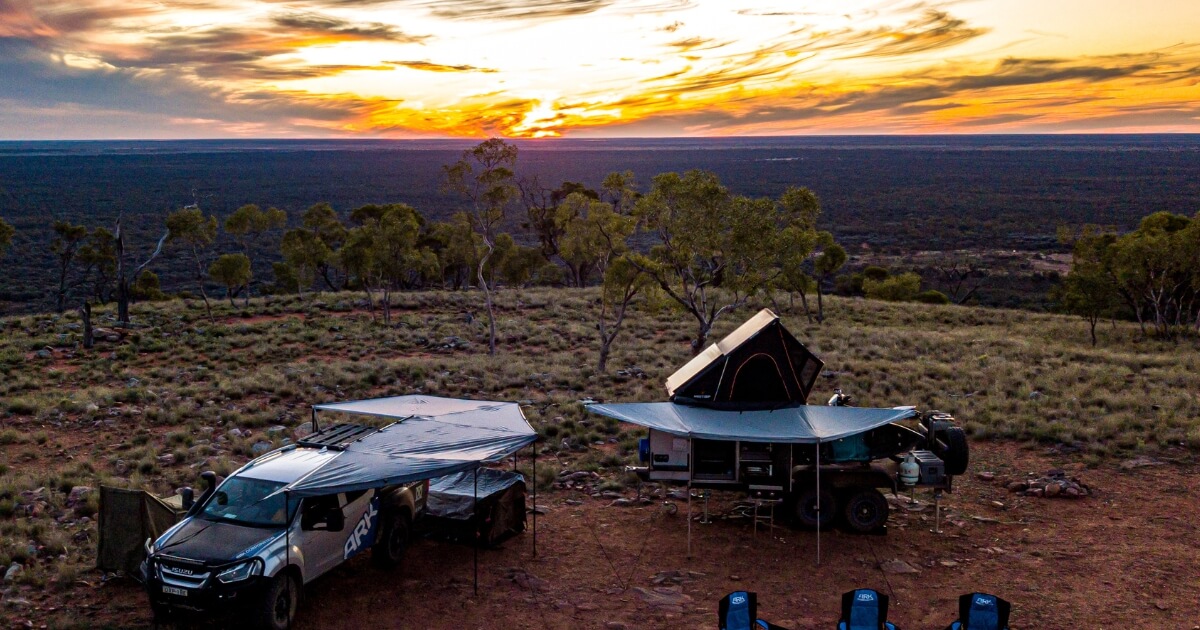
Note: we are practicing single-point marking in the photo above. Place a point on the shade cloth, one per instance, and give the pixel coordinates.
(431, 437)
(794, 424)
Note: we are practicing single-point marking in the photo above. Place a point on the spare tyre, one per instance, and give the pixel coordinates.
(950, 445)
(805, 507)
(866, 510)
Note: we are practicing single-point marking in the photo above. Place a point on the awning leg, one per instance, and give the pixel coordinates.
(535, 505)
(475, 511)
(689, 544)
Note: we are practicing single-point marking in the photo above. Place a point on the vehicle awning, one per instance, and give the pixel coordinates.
(795, 424)
(431, 437)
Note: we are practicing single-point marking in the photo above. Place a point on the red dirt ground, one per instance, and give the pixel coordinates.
(1124, 558)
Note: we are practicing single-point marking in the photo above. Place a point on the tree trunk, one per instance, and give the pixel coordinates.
(200, 283)
(820, 304)
(804, 303)
(1092, 322)
(487, 296)
(702, 331)
(85, 312)
(123, 300)
(61, 304)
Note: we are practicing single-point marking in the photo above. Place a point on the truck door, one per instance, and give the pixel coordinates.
(323, 523)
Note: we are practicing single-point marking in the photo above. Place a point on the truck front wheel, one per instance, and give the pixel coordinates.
(393, 541)
(277, 611)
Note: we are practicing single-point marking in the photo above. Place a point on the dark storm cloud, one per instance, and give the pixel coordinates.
(28, 76)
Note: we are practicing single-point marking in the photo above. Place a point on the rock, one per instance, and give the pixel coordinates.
(1052, 489)
(13, 571)
(1018, 486)
(986, 476)
(1035, 395)
(167, 460)
(898, 567)
(43, 354)
(29, 497)
(17, 602)
(92, 408)
(573, 502)
(615, 625)
(621, 503)
(78, 495)
(260, 447)
(235, 433)
(1141, 462)
(278, 429)
(587, 606)
(948, 563)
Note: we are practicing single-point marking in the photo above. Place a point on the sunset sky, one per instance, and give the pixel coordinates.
(594, 68)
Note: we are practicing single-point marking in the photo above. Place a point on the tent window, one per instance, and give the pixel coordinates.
(758, 379)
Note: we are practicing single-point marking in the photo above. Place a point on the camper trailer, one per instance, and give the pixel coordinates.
(738, 419)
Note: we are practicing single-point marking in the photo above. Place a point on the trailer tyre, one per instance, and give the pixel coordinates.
(277, 610)
(866, 510)
(393, 541)
(951, 446)
(805, 508)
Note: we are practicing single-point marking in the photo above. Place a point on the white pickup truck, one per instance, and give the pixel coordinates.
(246, 547)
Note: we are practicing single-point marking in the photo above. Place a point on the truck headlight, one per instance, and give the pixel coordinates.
(239, 572)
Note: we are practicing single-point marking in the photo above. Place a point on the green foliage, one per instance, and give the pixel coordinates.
(250, 220)
(932, 297)
(305, 254)
(1150, 274)
(67, 239)
(190, 227)
(231, 271)
(898, 288)
(147, 288)
(716, 250)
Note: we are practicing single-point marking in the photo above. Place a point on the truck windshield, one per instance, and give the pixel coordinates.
(250, 502)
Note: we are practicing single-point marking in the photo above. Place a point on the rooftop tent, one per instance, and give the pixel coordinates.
(431, 437)
(759, 364)
(796, 424)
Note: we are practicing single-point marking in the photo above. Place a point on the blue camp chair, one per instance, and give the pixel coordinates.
(864, 609)
(981, 611)
(739, 611)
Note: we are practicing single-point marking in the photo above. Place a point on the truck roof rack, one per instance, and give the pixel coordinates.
(337, 437)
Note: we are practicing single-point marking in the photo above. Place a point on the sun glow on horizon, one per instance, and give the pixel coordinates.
(537, 68)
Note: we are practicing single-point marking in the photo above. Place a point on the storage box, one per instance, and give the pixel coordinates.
(932, 468)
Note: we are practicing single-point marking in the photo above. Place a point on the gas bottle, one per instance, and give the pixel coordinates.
(910, 471)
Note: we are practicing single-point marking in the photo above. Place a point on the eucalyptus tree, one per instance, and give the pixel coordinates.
(715, 250)
(196, 232)
(484, 177)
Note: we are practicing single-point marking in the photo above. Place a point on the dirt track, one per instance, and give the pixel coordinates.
(1124, 558)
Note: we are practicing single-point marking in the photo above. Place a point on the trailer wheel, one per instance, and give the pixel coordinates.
(277, 610)
(951, 445)
(394, 536)
(805, 508)
(866, 510)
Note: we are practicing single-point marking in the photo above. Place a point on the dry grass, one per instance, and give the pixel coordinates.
(178, 384)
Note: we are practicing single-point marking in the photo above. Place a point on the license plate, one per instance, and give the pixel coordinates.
(171, 590)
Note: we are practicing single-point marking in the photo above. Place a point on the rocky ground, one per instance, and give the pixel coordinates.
(1123, 556)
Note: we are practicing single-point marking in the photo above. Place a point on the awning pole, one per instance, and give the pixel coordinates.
(287, 533)
(475, 509)
(689, 499)
(533, 445)
(314, 419)
(818, 502)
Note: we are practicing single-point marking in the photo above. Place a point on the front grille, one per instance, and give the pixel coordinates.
(181, 575)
